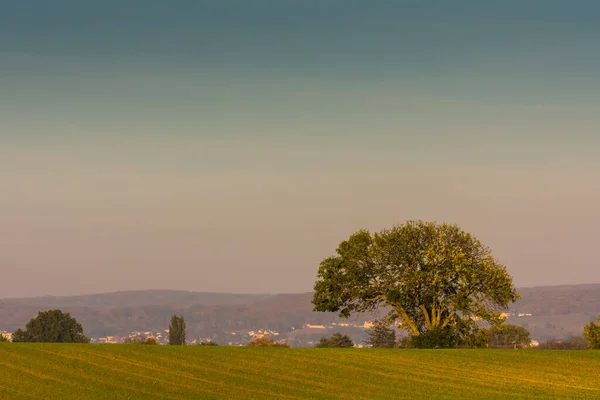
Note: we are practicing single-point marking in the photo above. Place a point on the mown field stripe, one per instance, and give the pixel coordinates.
(187, 376)
(136, 372)
(20, 394)
(68, 372)
(138, 375)
(209, 364)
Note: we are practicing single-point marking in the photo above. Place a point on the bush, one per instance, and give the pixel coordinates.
(140, 339)
(572, 343)
(3, 338)
(266, 342)
(441, 338)
(207, 344)
(337, 340)
(506, 336)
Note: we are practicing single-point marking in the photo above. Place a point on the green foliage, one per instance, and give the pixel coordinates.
(477, 338)
(592, 334)
(211, 343)
(336, 340)
(106, 371)
(52, 326)
(572, 343)
(469, 334)
(177, 331)
(381, 336)
(140, 339)
(437, 338)
(506, 335)
(266, 342)
(431, 276)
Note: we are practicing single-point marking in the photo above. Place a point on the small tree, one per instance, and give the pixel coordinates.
(177, 331)
(336, 340)
(381, 336)
(506, 335)
(266, 342)
(592, 334)
(52, 326)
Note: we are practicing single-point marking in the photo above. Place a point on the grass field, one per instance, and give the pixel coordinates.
(55, 371)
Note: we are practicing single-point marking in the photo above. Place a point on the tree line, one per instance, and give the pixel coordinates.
(55, 326)
(441, 286)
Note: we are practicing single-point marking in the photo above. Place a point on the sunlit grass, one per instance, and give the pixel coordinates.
(61, 371)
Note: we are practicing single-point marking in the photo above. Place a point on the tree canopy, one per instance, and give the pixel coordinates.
(429, 275)
(592, 334)
(177, 331)
(52, 326)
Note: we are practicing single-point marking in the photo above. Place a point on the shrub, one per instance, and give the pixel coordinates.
(441, 338)
(506, 335)
(336, 340)
(266, 342)
(139, 339)
(572, 343)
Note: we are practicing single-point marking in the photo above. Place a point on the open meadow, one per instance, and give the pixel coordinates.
(71, 371)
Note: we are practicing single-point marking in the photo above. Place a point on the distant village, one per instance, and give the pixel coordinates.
(241, 338)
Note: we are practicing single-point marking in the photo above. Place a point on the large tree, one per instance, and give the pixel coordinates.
(177, 330)
(52, 326)
(432, 277)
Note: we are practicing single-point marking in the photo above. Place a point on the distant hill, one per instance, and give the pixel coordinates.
(556, 312)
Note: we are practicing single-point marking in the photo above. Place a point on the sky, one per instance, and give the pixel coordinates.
(230, 145)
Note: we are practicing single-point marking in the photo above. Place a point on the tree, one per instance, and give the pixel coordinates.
(266, 342)
(177, 331)
(336, 340)
(381, 336)
(52, 326)
(506, 335)
(432, 277)
(3, 338)
(592, 334)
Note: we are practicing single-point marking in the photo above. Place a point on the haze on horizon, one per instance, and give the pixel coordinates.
(229, 146)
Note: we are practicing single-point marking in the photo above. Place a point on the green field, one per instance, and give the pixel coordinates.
(55, 371)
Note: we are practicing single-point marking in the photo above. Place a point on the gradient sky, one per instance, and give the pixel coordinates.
(231, 145)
